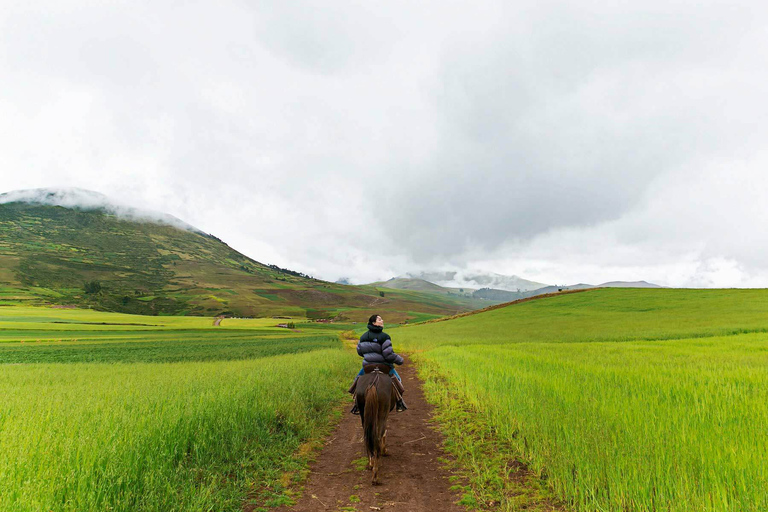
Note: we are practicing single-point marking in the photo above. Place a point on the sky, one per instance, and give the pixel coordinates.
(559, 141)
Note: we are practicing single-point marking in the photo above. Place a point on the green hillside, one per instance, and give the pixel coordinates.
(610, 399)
(608, 314)
(90, 258)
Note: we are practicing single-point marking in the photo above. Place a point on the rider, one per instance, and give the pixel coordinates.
(375, 346)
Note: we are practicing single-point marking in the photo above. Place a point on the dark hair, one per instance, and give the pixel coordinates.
(373, 318)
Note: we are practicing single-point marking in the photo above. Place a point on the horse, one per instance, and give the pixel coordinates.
(375, 398)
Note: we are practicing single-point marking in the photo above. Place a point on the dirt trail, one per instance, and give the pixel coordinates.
(412, 477)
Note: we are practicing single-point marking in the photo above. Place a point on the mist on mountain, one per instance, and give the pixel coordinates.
(82, 199)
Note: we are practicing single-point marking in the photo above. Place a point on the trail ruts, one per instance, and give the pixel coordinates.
(412, 478)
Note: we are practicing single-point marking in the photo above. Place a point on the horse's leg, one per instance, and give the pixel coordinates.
(384, 444)
(375, 480)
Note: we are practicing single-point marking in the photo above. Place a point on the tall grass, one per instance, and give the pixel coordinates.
(159, 436)
(665, 423)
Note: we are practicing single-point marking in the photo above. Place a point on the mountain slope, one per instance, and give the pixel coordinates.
(404, 283)
(628, 284)
(94, 257)
(476, 280)
(507, 296)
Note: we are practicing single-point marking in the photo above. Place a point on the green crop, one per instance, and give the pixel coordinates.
(106, 422)
(625, 400)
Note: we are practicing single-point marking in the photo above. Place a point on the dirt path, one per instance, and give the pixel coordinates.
(412, 477)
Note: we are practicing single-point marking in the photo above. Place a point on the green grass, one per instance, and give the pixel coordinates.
(205, 346)
(625, 400)
(605, 315)
(190, 436)
(108, 422)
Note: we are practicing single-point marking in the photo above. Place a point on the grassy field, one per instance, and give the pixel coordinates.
(621, 400)
(120, 412)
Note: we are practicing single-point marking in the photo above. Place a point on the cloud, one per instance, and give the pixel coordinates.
(571, 139)
(90, 200)
(568, 126)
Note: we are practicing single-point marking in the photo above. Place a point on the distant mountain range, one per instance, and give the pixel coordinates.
(627, 284)
(475, 280)
(405, 283)
(78, 247)
(523, 288)
(507, 296)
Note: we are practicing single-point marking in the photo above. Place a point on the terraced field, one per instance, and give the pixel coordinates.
(625, 400)
(119, 412)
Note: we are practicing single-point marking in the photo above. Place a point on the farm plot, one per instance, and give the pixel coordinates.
(170, 418)
(611, 420)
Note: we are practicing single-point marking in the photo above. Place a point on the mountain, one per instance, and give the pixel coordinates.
(475, 280)
(628, 284)
(507, 296)
(76, 247)
(404, 283)
(81, 199)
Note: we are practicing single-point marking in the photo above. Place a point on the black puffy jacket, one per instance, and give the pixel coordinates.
(375, 346)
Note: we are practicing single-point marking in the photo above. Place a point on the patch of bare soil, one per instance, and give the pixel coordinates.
(412, 477)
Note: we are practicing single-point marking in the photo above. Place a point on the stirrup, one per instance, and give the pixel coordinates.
(401, 406)
(355, 410)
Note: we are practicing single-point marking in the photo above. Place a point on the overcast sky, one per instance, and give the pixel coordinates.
(559, 141)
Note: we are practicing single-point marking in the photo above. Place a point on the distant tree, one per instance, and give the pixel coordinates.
(381, 294)
(291, 325)
(289, 272)
(92, 287)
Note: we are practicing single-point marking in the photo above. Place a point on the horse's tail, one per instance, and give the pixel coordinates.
(371, 420)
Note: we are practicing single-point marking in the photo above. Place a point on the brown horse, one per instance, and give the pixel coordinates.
(375, 398)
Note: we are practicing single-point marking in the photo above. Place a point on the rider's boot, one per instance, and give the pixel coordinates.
(399, 390)
(352, 390)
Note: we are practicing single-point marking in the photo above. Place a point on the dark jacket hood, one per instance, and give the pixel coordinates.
(375, 328)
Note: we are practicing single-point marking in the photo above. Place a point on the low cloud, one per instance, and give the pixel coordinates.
(559, 141)
(89, 200)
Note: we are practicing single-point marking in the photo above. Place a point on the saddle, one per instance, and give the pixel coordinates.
(383, 368)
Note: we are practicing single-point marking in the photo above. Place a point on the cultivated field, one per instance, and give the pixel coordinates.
(118, 412)
(619, 399)
(615, 400)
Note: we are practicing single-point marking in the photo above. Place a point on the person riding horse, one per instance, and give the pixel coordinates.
(375, 347)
